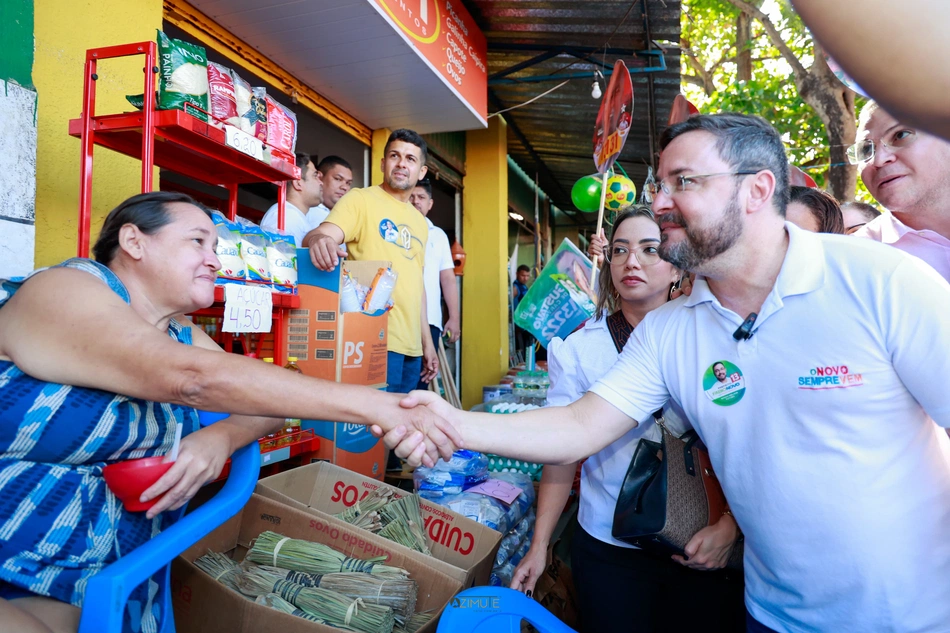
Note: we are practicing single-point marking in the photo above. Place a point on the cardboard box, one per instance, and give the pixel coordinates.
(347, 347)
(203, 605)
(461, 548)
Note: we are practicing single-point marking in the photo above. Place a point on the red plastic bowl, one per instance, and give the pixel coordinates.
(128, 480)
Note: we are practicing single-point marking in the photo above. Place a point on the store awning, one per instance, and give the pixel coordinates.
(419, 64)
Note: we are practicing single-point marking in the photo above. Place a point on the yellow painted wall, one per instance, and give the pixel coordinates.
(485, 288)
(64, 29)
(380, 137)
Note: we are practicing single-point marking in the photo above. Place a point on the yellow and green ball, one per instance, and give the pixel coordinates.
(621, 192)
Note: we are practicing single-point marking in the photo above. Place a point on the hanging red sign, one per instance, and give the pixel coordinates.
(614, 118)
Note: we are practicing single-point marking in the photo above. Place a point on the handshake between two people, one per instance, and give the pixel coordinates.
(428, 430)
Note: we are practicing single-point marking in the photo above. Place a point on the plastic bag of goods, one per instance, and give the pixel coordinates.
(182, 76)
(221, 94)
(490, 511)
(228, 250)
(464, 470)
(254, 251)
(502, 574)
(380, 290)
(281, 127)
(249, 118)
(352, 294)
(282, 261)
(509, 544)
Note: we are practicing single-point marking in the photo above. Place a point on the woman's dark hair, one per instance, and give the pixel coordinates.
(608, 299)
(824, 207)
(147, 211)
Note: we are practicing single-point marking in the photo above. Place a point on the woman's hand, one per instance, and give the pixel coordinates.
(596, 246)
(710, 547)
(200, 459)
(530, 569)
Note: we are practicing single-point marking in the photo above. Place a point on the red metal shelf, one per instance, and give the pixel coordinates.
(186, 145)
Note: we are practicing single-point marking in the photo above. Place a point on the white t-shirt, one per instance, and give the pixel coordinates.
(317, 215)
(574, 365)
(296, 222)
(438, 258)
(822, 433)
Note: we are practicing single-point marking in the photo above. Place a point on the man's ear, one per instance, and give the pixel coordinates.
(131, 240)
(762, 191)
(423, 172)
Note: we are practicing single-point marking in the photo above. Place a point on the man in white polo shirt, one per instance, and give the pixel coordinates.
(823, 432)
(301, 195)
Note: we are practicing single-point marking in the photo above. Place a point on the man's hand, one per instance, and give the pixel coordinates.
(424, 432)
(529, 570)
(596, 246)
(200, 459)
(430, 361)
(325, 252)
(454, 329)
(710, 547)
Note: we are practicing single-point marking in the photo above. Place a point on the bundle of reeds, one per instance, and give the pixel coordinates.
(403, 523)
(333, 608)
(221, 568)
(274, 601)
(399, 594)
(416, 622)
(277, 550)
(365, 512)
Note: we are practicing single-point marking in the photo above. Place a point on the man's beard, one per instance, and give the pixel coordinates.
(406, 185)
(701, 245)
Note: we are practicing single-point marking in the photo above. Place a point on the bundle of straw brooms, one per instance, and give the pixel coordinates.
(320, 584)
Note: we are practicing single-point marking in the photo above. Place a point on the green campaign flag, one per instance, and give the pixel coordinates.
(561, 298)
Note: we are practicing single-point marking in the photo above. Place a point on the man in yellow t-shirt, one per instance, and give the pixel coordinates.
(379, 223)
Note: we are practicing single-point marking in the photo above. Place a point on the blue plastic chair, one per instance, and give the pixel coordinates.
(108, 591)
(497, 610)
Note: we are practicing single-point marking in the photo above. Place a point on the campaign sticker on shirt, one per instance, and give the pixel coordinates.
(723, 383)
(388, 231)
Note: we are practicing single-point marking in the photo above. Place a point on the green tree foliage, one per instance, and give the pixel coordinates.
(712, 82)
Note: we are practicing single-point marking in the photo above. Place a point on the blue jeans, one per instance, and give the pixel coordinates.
(402, 372)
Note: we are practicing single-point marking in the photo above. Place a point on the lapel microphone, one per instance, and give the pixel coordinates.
(745, 330)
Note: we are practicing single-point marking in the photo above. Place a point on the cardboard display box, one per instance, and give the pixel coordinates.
(461, 548)
(203, 605)
(349, 347)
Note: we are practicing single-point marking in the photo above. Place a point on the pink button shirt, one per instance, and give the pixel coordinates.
(928, 245)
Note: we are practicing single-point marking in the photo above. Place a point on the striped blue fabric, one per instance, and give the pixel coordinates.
(59, 522)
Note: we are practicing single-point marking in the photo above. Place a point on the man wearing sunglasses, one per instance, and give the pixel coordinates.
(907, 172)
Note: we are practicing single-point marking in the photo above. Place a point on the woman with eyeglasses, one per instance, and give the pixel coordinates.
(620, 587)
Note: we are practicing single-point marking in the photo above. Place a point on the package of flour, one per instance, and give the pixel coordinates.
(282, 259)
(228, 250)
(254, 251)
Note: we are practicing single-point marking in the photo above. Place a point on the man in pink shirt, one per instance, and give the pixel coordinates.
(908, 173)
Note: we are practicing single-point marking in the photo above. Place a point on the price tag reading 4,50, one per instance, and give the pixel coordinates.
(247, 309)
(243, 142)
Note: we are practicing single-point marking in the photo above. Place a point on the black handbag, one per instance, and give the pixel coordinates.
(670, 492)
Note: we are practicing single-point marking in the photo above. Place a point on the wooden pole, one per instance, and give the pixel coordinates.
(600, 222)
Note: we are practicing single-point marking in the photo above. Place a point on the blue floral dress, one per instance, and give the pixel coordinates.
(59, 522)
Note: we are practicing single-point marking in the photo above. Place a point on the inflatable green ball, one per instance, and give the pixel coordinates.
(585, 194)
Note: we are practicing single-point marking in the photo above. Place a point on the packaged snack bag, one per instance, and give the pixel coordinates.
(281, 127)
(380, 290)
(221, 91)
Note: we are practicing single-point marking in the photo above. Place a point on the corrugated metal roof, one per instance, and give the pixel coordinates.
(553, 135)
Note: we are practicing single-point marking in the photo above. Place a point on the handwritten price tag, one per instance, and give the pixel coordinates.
(247, 309)
(501, 490)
